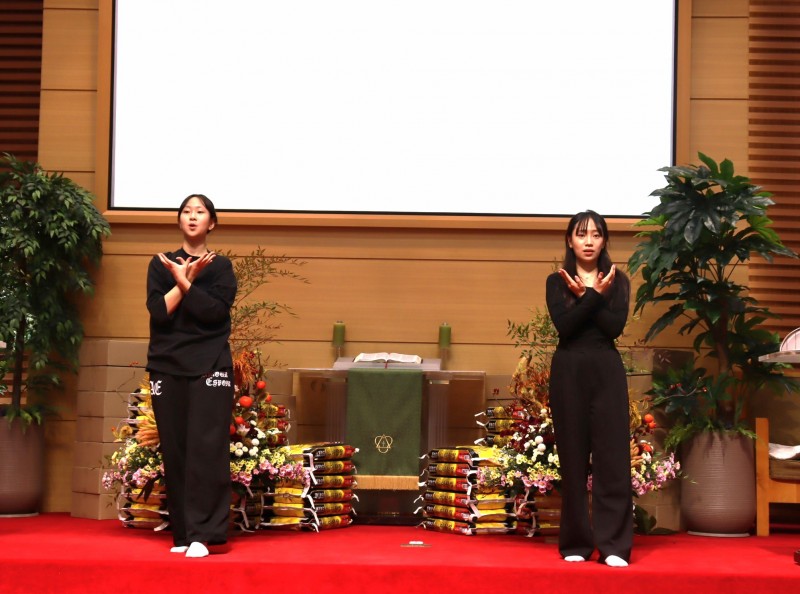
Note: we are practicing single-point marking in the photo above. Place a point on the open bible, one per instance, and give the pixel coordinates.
(387, 358)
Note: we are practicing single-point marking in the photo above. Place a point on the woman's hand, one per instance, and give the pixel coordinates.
(603, 284)
(194, 268)
(573, 284)
(178, 269)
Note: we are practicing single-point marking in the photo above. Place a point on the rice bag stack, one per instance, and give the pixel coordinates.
(454, 502)
(137, 510)
(500, 423)
(247, 510)
(277, 424)
(327, 502)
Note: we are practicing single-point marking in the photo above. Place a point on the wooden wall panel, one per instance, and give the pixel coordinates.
(719, 58)
(719, 129)
(69, 60)
(720, 8)
(66, 131)
(71, 4)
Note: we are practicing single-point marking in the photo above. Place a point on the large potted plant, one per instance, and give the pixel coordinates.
(710, 221)
(50, 239)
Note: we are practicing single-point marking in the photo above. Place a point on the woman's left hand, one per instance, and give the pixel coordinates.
(194, 268)
(604, 282)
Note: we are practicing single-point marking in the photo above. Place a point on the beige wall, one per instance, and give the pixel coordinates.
(391, 282)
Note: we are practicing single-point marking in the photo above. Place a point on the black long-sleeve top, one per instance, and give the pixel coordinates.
(193, 340)
(591, 321)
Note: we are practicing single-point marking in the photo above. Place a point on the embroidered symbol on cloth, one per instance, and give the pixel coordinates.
(383, 443)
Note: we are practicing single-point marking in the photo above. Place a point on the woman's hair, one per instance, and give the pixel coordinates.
(212, 212)
(580, 222)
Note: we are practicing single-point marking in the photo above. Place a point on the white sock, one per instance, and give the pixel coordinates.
(197, 549)
(181, 549)
(614, 561)
(574, 558)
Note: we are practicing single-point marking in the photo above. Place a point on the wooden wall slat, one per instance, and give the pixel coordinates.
(774, 148)
(21, 24)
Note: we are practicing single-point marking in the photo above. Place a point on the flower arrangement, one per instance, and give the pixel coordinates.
(256, 447)
(529, 456)
(136, 467)
(255, 427)
(650, 470)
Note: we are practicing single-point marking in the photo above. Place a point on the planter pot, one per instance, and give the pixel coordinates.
(718, 493)
(21, 468)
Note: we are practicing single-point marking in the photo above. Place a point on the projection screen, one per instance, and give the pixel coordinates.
(511, 107)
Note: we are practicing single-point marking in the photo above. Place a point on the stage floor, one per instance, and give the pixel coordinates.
(58, 553)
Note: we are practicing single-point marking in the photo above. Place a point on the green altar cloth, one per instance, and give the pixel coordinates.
(384, 418)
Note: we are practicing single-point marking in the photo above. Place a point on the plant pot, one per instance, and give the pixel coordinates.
(718, 493)
(21, 468)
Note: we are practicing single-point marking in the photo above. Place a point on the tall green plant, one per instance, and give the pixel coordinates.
(710, 221)
(50, 240)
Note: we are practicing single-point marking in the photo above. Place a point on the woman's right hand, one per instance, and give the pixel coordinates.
(176, 268)
(575, 285)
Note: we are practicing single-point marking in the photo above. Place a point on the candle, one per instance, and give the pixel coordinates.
(338, 334)
(444, 336)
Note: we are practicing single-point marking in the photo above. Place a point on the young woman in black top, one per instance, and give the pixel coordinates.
(588, 301)
(189, 297)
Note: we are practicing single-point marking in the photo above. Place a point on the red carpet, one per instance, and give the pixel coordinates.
(58, 553)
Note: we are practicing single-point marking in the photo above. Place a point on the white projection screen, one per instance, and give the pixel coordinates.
(490, 107)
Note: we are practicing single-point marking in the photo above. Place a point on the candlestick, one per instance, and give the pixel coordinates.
(444, 343)
(338, 334)
(444, 336)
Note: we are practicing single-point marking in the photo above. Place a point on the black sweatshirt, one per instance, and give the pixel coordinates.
(192, 341)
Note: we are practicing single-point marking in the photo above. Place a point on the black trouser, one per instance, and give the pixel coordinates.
(589, 402)
(193, 415)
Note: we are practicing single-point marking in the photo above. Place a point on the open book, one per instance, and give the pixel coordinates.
(387, 358)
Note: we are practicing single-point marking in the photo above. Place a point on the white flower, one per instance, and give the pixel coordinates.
(254, 441)
(541, 447)
(253, 451)
(239, 445)
(239, 452)
(539, 439)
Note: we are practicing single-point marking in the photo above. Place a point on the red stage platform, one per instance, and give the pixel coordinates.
(58, 553)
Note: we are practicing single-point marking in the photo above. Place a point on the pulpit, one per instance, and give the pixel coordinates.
(394, 414)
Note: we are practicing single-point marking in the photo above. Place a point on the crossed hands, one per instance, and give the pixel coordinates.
(186, 269)
(578, 287)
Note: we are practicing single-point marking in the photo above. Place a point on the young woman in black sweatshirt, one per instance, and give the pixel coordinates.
(189, 296)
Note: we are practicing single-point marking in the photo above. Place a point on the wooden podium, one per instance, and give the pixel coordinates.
(450, 401)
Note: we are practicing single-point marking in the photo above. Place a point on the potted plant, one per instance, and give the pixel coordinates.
(50, 238)
(710, 221)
